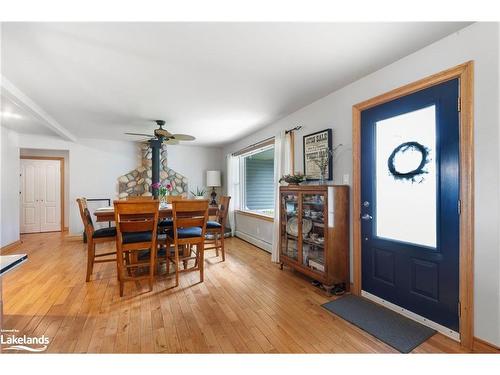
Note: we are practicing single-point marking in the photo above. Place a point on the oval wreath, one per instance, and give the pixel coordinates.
(403, 147)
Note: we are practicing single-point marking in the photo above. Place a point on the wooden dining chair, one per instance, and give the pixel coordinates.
(217, 228)
(136, 230)
(94, 237)
(190, 220)
(168, 222)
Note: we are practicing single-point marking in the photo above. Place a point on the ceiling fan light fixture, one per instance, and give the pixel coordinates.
(165, 136)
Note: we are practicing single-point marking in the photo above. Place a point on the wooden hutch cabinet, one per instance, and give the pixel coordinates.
(314, 232)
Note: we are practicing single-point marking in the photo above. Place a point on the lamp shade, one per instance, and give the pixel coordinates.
(213, 178)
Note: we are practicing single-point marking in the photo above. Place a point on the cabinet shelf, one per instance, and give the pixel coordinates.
(326, 261)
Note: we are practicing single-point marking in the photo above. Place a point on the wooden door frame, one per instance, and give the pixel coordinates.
(61, 162)
(465, 72)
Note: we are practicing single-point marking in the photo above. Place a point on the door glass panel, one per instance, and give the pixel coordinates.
(290, 225)
(406, 177)
(313, 231)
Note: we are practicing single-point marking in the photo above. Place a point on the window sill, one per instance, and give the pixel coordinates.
(256, 215)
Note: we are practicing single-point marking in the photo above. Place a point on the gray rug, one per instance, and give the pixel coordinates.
(401, 333)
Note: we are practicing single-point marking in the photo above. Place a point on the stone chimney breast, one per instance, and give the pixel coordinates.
(138, 182)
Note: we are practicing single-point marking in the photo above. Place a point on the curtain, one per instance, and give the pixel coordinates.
(282, 159)
(232, 186)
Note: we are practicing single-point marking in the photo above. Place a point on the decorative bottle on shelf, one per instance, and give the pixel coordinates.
(322, 176)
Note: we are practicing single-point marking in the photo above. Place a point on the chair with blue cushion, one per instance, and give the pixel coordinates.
(136, 231)
(167, 223)
(217, 228)
(190, 219)
(95, 236)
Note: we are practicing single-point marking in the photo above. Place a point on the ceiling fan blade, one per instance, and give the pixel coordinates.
(172, 141)
(183, 137)
(141, 134)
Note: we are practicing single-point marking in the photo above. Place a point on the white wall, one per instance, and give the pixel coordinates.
(9, 187)
(478, 42)
(193, 162)
(94, 166)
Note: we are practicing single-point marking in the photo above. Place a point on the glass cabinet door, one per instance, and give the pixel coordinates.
(313, 231)
(290, 225)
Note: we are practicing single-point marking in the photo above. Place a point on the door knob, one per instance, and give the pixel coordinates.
(366, 217)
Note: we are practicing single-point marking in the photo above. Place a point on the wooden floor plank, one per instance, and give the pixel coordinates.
(245, 305)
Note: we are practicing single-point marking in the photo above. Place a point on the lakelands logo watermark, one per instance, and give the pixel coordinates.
(11, 341)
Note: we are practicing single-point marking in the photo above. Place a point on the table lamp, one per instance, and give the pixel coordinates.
(213, 181)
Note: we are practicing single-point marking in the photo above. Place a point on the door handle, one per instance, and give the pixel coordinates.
(366, 217)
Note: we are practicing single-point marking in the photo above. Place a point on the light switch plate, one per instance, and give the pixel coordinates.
(345, 179)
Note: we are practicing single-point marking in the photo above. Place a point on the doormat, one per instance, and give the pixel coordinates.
(396, 330)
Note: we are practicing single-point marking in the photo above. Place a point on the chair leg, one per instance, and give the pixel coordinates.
(168, 259)
(176, 255)
(90, 258)
(186, 252)
(127, 262)
(201, 252)
(216, 244)
(223, 250)
(119, 263)
(152, 267)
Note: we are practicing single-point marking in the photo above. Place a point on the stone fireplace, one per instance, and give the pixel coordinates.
(138, 182)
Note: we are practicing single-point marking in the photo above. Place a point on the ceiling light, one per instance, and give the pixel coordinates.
(10, 115)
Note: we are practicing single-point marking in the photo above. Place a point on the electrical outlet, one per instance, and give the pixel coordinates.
(345, 179)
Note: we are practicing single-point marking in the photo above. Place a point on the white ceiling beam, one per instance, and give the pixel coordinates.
(27, 104)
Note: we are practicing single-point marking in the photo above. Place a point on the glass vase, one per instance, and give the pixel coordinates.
(163, 199)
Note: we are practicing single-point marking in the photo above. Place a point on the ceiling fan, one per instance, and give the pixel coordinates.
(165, 136)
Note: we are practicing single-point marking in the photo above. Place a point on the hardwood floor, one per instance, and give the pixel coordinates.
(245, 305)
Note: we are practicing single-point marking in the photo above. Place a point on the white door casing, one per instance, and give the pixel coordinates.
(40, 196)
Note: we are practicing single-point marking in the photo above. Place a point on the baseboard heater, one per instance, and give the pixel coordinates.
(254, 241)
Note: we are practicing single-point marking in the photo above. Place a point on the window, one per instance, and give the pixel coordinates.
(257, 176)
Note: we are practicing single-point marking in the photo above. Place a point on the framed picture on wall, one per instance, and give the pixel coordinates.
(315, 147)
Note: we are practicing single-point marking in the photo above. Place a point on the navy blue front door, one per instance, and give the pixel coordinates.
(410, 202)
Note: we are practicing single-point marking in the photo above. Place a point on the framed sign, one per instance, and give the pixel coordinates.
(315, 147)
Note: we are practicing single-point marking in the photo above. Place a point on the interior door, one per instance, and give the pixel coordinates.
(40, 196)
(410, 202)
(49, 195)
(30, 216)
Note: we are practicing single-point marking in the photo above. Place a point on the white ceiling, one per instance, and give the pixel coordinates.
(216, 81)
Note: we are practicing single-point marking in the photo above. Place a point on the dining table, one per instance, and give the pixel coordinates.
(108, 213)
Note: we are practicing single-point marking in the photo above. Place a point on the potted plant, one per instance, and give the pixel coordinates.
(293, 179)
(199, 193)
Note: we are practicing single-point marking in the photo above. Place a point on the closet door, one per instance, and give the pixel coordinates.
(40, 196)
(30, 213)
(49, 195)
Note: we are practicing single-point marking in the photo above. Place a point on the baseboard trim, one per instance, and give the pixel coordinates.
(254, 241)
(482, 346)
(11, 245)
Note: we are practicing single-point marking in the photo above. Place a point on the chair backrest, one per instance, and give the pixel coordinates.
(223, 210)
(190, 213)
(136, 215)
(171, 198)
(88, 225)
(139, 197)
